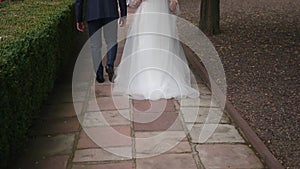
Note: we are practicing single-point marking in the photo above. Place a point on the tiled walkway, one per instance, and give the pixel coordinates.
(117, 133)
(138, 134)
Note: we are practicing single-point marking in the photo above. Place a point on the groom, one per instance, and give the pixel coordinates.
(98, 14)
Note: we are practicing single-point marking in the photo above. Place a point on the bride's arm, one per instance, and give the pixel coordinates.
(173, 5)
(134, 3)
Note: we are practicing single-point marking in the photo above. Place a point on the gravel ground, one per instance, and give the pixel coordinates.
(260, 50)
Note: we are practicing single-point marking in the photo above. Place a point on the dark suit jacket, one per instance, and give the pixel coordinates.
(96, 9)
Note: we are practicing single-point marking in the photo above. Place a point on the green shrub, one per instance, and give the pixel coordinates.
(35, 37)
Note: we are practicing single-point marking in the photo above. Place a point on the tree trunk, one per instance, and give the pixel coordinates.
(210, 16)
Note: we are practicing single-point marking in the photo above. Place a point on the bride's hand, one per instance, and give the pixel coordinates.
(135, 3)
(173, 5)
(138, 3)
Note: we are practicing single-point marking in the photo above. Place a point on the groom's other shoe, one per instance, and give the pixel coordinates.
(100, 78)
(110, 71)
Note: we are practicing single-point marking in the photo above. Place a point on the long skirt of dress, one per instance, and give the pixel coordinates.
(153, 64)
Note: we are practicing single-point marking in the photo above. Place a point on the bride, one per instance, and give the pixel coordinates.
(153, 64)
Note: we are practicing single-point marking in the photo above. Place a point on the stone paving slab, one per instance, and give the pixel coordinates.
(85, 143)
(108, 103)
(222, 156)
(166, 121)
(203, 90)
(50, 146)
(204, 115)
(79, 85)
(110, 136)
(159, 106)
(105, 118)
(162, 148)
(102, 90)
(171, 134)
(203, 101)
(96, 155)
(166, 161)
(223, 133)
(181, 147)
(126, 152)
(154, 143)
(118, 165)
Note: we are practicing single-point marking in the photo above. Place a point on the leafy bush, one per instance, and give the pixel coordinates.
(35, 37)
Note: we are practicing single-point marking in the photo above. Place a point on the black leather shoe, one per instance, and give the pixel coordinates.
(100, 79)
(110, 71)
(99, 74)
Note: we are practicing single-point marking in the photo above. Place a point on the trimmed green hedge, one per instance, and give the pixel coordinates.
(35, 37)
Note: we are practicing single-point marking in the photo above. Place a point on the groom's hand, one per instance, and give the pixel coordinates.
(80, 26)
(122, 21)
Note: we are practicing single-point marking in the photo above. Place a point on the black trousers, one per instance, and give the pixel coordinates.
(109, 28)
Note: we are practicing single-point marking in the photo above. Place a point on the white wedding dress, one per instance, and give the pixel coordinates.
(153, 64)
